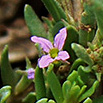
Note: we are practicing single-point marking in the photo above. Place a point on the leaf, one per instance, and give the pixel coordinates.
(54, 85)
(66, 88)
(43, 100)
(39, 83)
(90, 91)
(87, 69)
(73, 76)
(24, 82)
(58, 25)
(82, 90)
(22, 85)
(7, 74)
(97, 6)
(48, 22)
(50, 27)
(88, 100)
(72, 94)
(28, 64)
(87, 78)
(51, 101)
(54, 9)
(79, 81)
(86, 37)
(5, 93)
(99, 76)
(87, 26)
(34, 24)
(72, 37)
(81, 53)
(30, 98)
(76, 64)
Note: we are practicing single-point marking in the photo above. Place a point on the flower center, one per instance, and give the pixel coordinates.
(54, 52)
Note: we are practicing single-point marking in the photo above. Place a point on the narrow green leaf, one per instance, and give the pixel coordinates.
(87, 26)
(66, 88)
(30, 98)
(81, 53)
(72, 37)
(82, 90)
(24, 82)
(99, 76)
(97, 6)
(43, 100)
(51, 101)
(73, 76)
(34, 24)
(88, 100)
(22, 85)
(58, 25)
(54, 9)
(55, 86)
(73, 94)
(79, 81)
(7, 73)
(5, 93)
(48, 22)
(86, 37)
(39, 83)
(76, 64)
(28, 64)
(50, 68)
(87, 69)
(50, 27)
(90, 91)
(87, 78)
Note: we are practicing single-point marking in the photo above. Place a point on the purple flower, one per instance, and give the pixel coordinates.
(31, 73)
(54, 51)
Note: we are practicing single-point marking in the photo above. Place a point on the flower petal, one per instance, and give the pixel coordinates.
(60, 39)
(62, 55)
(31, 73)
(44, 61)
(45, 44)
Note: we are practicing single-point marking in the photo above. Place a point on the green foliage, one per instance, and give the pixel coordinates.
(89, 92)
(81, 53)
(54, 85)
(45, 100)
(5, 93)
(75, 92)
(87, 78)
(22, 85)
(72, 37)
(87, 26)
(39, 84)
(24, 82)
(57, 26)
(76, 64)
(34, 24)
(30, 98)
(88, 100)
(77, 82)
(97, 6)
(54, 9)
(9, 77)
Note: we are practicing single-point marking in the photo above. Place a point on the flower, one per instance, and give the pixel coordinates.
(54, 51)
(31, 73)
